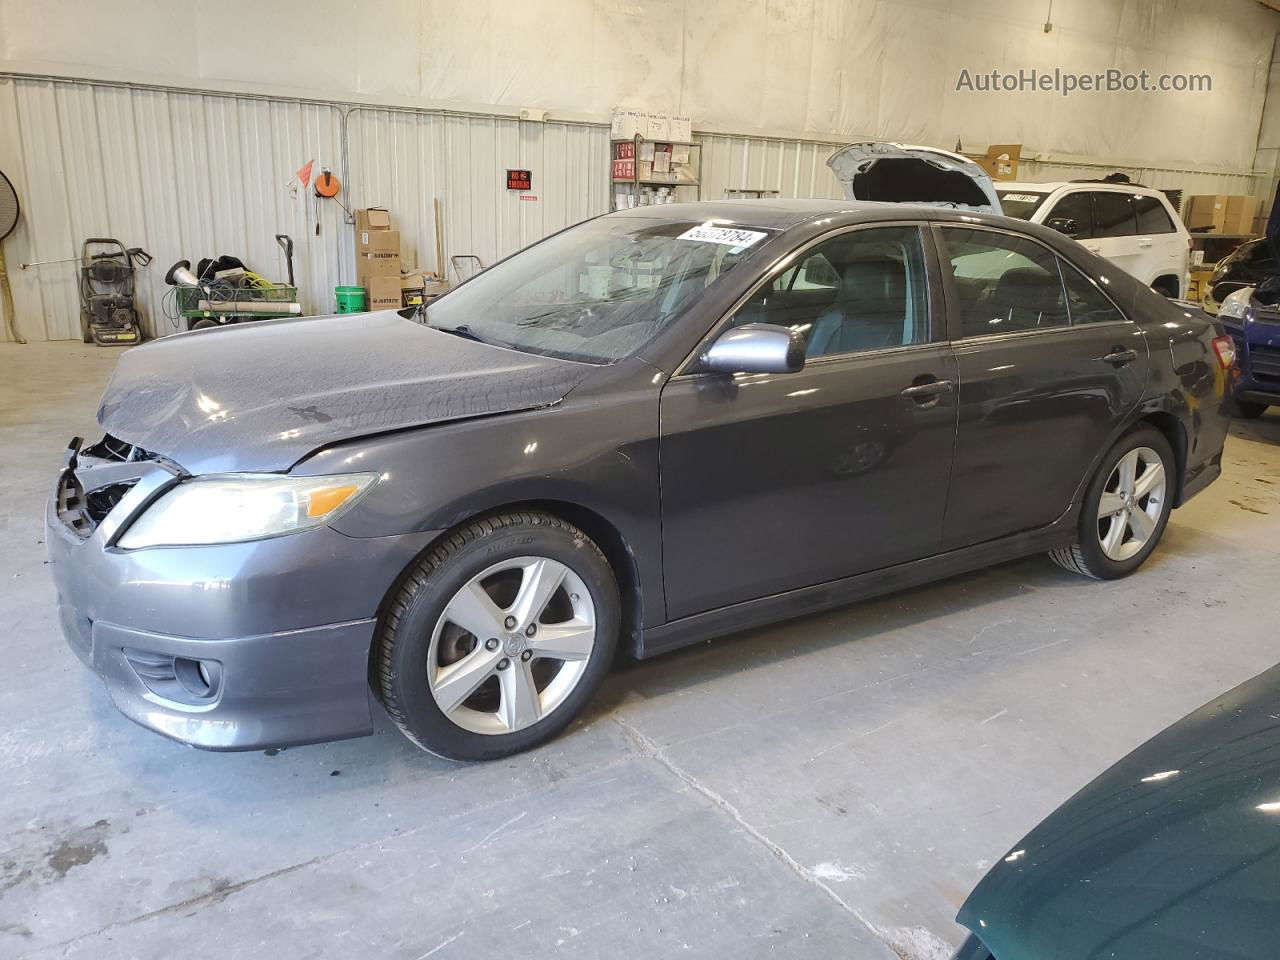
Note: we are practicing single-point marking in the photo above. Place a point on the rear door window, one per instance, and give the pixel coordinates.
(1076, 207)
(1113, 215)
(1004, 283)
(1152, 216)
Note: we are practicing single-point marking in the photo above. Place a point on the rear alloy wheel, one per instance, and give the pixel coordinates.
(498, 637)
(1125, 510)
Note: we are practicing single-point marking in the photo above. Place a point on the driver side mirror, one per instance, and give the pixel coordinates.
(756, 348)
(1063, 225)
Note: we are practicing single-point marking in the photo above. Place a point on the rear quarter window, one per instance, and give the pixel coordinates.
(1152, 216)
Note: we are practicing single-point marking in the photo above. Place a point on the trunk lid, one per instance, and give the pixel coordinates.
(901, 173)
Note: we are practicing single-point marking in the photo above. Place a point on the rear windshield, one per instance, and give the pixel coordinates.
(1020, 203)
(596, 292)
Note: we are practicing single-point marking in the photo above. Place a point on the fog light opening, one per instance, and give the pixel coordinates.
(199, 678)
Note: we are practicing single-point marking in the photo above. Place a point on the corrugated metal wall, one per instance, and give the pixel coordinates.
(188, 174)
(799, 169)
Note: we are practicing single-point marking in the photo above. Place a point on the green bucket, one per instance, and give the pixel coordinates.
(350, 299)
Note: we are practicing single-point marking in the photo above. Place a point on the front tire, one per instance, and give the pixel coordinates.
(1126, 508)
(497, 637)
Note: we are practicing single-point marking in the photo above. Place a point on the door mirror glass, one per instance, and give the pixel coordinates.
(1063, 225)
(756, 348)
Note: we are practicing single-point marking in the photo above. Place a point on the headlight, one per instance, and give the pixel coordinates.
(1237, 305)
(239, 507)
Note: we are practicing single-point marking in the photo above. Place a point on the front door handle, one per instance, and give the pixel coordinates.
(927, 394)
(1118, 357)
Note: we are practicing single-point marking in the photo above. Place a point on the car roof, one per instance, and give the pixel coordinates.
(771, 214)
(782, 214)
(1052, 185)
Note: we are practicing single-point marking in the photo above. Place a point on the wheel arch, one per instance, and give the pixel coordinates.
(1168, 284)
(1174, 431)
(606, 535)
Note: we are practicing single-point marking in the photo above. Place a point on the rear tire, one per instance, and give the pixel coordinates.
(1142, 498)
(1243, 410)
(465, 656)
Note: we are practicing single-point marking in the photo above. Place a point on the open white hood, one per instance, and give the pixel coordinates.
(901, 173)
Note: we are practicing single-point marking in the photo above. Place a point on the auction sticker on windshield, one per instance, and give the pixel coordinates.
(724, 235)
(1022, 197)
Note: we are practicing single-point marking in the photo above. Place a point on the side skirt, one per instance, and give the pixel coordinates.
(839, 593)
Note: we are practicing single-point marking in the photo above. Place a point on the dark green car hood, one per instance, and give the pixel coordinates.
(1172, 854)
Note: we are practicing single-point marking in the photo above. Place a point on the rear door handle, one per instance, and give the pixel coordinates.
(1144, 243)
(927, 394)
(1118, 358)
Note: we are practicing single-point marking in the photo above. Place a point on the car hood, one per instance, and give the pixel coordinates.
(1171, 854)
(901, 173)
(260, 396)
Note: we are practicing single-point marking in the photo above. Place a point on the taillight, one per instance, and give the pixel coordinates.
(1225, 348)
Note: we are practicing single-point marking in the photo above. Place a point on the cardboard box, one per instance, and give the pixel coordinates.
(627, 124)
(624, 169)
(379, 256)
(383, 293)
(1225, 213)
(659, 126)
(1207, 210)
(1240, 213)
(1001, 161)
(374, 218)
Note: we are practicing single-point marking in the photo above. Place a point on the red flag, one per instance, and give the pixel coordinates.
(304, 173)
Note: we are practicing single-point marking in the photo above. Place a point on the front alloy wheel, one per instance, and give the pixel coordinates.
(511, 645)
(498, 636)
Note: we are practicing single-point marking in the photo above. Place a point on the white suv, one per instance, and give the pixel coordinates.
(1134, 227)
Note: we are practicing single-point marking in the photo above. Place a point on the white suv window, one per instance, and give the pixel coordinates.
(1077, 208)
(1113, 215)
(1152, 216)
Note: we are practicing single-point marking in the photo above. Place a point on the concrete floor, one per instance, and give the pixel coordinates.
(830, 787)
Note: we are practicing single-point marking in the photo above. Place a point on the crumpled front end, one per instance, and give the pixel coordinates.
(228, 647)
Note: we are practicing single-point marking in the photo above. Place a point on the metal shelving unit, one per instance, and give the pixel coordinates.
(645, 184)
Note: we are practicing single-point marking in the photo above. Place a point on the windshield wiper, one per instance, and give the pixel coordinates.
(462, 330)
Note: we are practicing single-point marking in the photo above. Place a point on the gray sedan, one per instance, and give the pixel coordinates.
(651, 428)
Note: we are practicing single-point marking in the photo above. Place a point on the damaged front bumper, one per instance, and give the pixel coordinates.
(229, 647)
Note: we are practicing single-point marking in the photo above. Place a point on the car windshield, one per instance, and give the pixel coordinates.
(1020, 203)
(596, 292)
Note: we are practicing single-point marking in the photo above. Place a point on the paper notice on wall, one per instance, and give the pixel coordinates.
(723, 235)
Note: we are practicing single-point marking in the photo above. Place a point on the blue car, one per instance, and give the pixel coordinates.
(1254, 327)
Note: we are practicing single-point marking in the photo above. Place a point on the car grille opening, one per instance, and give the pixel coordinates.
(1265, 362)
(80, 512)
